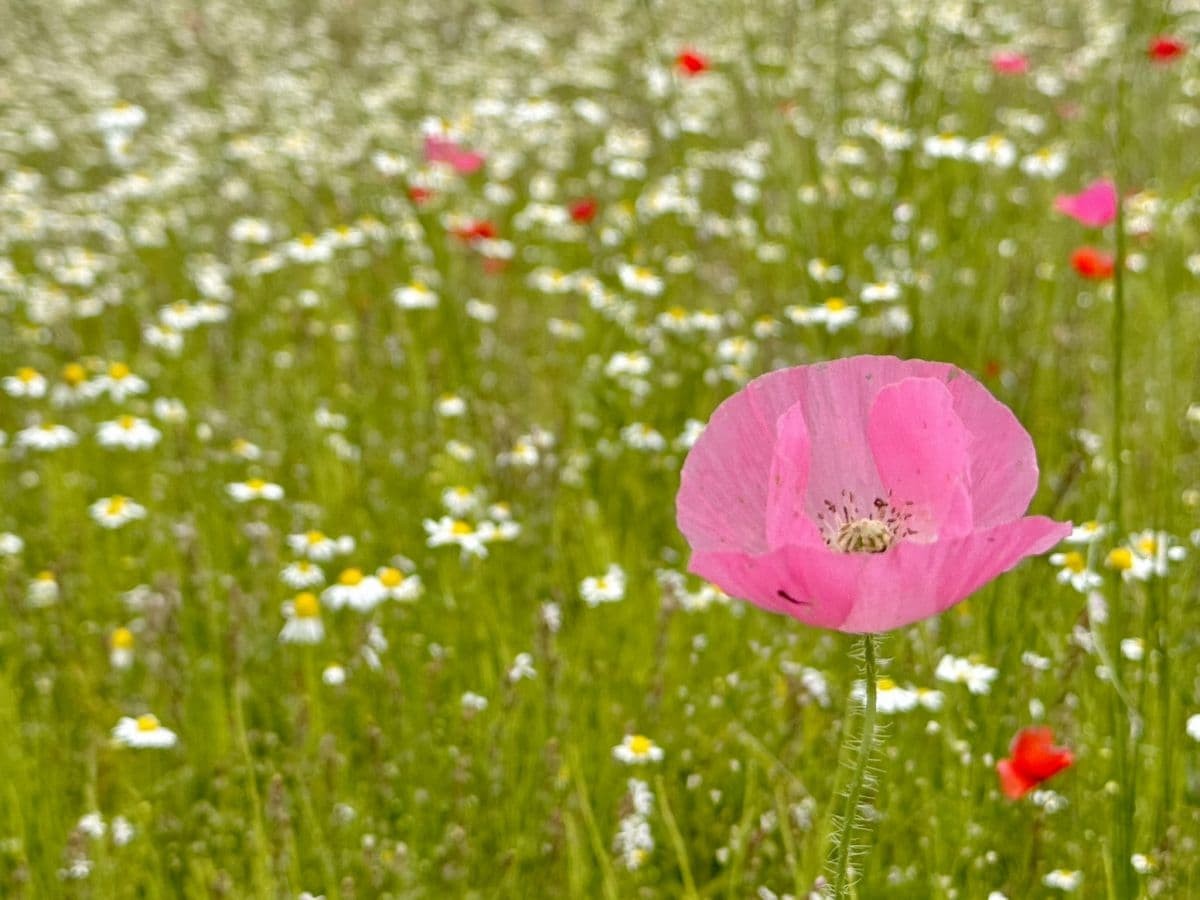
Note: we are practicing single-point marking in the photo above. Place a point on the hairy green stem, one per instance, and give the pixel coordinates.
(854, 791)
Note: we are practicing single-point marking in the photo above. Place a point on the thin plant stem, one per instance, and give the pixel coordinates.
(1124, 743)
(854, 791)
(685, 868)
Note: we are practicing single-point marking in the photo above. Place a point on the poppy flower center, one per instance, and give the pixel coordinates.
(848, 529)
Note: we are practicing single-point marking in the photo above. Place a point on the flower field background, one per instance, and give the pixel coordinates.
(350, 354)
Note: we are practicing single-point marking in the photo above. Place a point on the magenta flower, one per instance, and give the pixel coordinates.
(1095, 206)
(862, 494)
(1008, 62)
(439, 149)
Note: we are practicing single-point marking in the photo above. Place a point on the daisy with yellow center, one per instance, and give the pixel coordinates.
(606, 588)
(303, 625)
(636, 749)
(354, 590)
(113, 512)
(1073, 570)
(143, 732)
(42, 590)
(120, 648)
(399, 586)
(27, 382)
(128, 433)
(254, 489)
(457, 532)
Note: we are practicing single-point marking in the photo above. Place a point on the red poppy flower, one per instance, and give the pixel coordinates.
(583, 211)
(1033, 759)
(419, 195)
(1092, 263)
(475, 230)
(1165, 48)
(691, 63)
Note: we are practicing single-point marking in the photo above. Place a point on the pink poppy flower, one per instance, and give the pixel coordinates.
(1094, 206)
(464, 162)
(862, 494)
(1008, 62)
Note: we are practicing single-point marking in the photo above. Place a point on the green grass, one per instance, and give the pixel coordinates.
(386, 785)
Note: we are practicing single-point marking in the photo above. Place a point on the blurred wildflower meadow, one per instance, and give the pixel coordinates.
(349, 355)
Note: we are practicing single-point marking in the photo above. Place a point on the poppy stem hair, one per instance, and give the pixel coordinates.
(851, 817)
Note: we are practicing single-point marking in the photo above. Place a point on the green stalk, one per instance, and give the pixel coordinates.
(1125, 747)
(857, 786)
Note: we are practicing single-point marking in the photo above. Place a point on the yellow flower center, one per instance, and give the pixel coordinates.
(74, 373)
(26, 374)
(256, 484)
(350, 577)
(835, 304)
(46, 576)
(885, 684)
(314, 537)
(308, 239)
(677, 312)
(147, 722)
(461, 528)
(122, 639)
(307, 606)
(640, 745)
(127, 422)
(1074, 561)
(118, 371)
(391, 578)
(1121, 559)
(864, 536)
(1147, 546)
(115, 505)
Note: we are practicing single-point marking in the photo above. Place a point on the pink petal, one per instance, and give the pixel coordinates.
(1004, 469)
(819, 582)
(722, 499)
(861, 592)
(439, 149)
(787, 522)
(723, 496)
(920, 448)
(1095, 206)
(914, 581)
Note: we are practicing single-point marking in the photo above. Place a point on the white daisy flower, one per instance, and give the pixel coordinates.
(415, 296)
(354, 589)
(1063, 879)
(606, 588)
(254, 489)
(115, 511)
(639, 280)
(636, 749)
(302, 574)
(120, 382)
(28, 382)
(399, 586)
(459, 532)
(128, 433)
(303, 625)
(45, 437)
(144, 731)
(957, 670)
(1073, 570)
